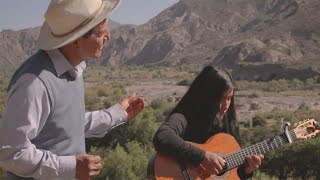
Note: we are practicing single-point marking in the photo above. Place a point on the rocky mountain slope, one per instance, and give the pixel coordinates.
(283, 44)
(257, 40)
(16, 46)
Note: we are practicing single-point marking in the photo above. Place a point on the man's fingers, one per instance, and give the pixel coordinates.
(131, 97)
(95, 167)
(95, 158)
(94, 173)
(135, 107)
(137, 103)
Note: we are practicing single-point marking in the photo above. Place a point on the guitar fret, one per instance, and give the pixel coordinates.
(228, 162)
(271, 144)
(259, 151)
(293, 135)
(281, 143)
(280, 140)
(266, 144)
(237, 158)
(262, 148)
(259, 148)
(232, 161)
(253, 150)
(250, 150)
(265, 149)
(275, 143)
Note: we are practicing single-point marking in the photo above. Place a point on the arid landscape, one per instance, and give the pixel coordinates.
(248, 105)
(258, 40)
(271, 48)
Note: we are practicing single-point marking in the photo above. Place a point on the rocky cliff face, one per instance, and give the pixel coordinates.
(16, 46)
(284, 44)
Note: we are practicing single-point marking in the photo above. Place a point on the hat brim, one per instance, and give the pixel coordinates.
(47, 41)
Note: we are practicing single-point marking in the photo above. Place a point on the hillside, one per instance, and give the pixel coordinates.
(16, 46)
(257, 40)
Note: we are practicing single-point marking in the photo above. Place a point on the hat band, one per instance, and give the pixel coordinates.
(85, 22)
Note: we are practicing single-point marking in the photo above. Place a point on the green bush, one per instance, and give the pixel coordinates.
(299, 160)
(258, 121)
(157, 103)
(126, 163)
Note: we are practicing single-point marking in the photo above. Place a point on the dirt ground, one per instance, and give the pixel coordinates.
(247, 106)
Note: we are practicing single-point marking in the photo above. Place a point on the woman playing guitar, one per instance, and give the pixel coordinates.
(206, 109)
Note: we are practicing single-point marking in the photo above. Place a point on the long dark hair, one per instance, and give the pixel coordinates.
(201, 103)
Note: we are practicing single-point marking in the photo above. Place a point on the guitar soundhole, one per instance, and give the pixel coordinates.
(220, 176)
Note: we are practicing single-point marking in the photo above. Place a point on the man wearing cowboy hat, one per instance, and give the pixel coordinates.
(45, 123)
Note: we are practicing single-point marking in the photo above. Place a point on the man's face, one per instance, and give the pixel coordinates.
(91, 46)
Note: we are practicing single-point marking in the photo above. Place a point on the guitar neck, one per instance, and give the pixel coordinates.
(237, 158)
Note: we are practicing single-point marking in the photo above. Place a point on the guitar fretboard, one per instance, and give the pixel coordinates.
(237, 158)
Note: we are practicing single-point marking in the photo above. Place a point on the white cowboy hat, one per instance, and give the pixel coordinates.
(68, 20)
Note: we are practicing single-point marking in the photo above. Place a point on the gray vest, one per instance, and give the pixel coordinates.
(63, 132)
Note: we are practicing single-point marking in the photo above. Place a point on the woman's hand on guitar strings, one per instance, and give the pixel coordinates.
(213, 163)
(253, 163)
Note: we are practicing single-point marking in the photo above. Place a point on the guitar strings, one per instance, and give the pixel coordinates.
(258, 148)
(240, 154)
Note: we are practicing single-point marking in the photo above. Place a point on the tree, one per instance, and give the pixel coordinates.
(129, 162)
(141, 130)
(298, 160)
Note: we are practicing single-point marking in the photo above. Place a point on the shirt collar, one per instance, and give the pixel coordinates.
(78, 70)
(62, 65)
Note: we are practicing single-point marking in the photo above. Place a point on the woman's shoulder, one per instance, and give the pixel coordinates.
(176, 115)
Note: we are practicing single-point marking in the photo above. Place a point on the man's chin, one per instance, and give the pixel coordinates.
(98, 55)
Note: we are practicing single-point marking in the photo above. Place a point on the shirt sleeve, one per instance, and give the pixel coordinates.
(168, 139)
(27, 109)
(99, 123)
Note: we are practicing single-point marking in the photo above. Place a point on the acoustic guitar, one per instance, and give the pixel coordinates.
(163, 167)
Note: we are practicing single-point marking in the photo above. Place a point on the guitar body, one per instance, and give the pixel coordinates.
(163, 167)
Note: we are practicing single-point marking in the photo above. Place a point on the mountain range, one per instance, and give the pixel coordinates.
(256, 40)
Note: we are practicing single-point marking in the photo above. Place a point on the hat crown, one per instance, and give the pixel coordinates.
(64, 15)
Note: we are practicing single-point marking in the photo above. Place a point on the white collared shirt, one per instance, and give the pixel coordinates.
(27, 109)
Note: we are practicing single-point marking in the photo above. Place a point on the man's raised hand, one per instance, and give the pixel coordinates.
(133, 106)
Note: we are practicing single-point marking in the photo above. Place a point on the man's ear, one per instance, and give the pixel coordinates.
(76, 43)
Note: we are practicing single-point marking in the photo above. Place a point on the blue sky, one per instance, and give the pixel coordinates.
(19, 14)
